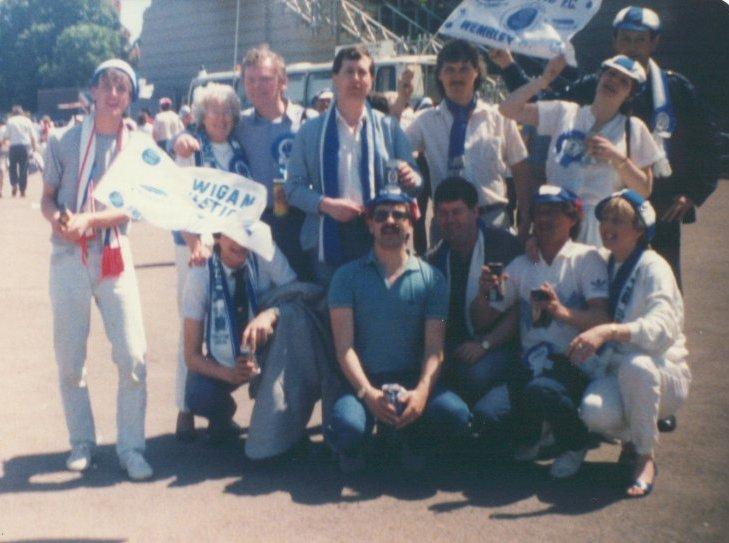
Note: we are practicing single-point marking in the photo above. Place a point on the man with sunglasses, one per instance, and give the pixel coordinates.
(670, 106)
(388, 311)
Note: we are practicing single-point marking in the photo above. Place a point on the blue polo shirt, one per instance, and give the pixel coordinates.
(389, 322)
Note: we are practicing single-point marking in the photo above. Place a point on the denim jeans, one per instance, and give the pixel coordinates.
(351, 423)
(474, 381)
(210, 398)
(546, 399)
(18, 155)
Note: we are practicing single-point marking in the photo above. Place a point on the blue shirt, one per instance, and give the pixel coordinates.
(265, 141)
(389, 322)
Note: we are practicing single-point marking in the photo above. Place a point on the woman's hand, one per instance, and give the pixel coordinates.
(603, 149)
(588, 342)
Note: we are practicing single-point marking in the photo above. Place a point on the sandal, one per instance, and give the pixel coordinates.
(646, 488)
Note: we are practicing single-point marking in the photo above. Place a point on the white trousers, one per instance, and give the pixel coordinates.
(638, 390)
(182, 256)
(72, 287)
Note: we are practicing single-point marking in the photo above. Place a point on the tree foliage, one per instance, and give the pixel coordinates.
(53, 43)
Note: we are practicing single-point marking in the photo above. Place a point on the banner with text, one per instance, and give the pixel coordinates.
(539, 28)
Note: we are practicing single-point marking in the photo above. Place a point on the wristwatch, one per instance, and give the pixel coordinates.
(485, 344)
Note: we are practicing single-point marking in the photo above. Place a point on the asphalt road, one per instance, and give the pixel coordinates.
(202, 493)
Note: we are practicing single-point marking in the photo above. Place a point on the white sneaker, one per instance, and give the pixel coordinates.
(567, 464)
(136, 466)
(80, 458)
(527, 453)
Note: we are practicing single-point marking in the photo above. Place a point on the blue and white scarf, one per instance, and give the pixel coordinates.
(370, 174)
(206, 157)
(623, 283)
(221, 324)
(663, 120)
(457, 139)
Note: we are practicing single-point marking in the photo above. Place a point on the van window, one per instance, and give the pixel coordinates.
(296, 86)
(318, 81)
(386, 79)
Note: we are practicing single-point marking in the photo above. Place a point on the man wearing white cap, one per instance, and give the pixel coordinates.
(669, 105)
(91, 259)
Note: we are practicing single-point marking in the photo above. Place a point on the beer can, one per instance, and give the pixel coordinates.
(280, 205)
(250, 356)
(392, 393)
(496, 294)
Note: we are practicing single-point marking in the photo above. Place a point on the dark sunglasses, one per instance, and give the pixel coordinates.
(381, 215)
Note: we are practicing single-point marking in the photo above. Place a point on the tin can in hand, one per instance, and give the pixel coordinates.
(496, 294)
(250, 356)
(280, 205)
(392, 393)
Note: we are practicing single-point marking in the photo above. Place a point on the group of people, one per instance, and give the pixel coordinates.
(566, 324)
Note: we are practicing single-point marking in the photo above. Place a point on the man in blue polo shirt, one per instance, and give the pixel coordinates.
(388, 311)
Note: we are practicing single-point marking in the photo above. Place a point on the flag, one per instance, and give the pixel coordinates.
(539, 28)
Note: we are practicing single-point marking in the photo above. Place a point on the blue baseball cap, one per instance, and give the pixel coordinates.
(638, 19)
(120, 65)
(628, 66)
(643, 210)
(552, 194)
(395, 195)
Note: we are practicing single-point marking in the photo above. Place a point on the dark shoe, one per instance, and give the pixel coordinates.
(22, 194)
(185, 430)
(628, 455)
(218, 434)
(349, 464)
(668, 424)
(646, 488)
(15, 191)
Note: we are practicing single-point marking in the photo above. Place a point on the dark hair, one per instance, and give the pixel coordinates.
(569, 209)
(456, 188)
(355, 52)
(379, 102)
(626, 108)
(653, 34)
(460, 51)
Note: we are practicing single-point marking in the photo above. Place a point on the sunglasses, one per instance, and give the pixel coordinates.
(381, 215)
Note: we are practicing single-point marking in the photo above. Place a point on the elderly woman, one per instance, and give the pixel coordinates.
(595, 149)
(216, 109)
(647, 375)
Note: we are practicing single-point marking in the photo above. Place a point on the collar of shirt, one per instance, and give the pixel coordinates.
(410, 265)
(565, 252)
(291, 112)
(230, 271)
(343, 124)
(481, 106)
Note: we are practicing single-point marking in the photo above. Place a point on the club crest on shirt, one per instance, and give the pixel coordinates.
(570, 147)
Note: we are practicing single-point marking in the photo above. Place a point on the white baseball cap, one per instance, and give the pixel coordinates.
(626, 65)
(639, 19)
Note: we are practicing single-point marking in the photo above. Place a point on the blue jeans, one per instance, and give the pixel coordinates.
(351, 423)
(475, 380)
(546, 399)
(210, 398)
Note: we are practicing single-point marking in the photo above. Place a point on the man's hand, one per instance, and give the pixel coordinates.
(406, 176)
(682, 204)
(501, 57)
(469, 352)
(76, 227)
(553, 68)
(241, 372)
(552, 305)
(199, 254)
(260, 329)
(489, 280)
(587, 343)
(185, 145)
(341, 209)
(377, 403)
(414, 401)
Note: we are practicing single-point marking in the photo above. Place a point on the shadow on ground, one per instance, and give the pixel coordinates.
(482, 474)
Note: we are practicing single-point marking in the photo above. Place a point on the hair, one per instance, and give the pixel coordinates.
(165, 106)
(622, 209)
(379, 101)
(17, 110)
(112, 74)
(653, 34)
(215, 92)
(460, 51)
(356, 52)
(569, 209)
(456, 188)
(260, 54)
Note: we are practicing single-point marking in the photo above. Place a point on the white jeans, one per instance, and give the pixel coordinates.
(182, 256)
(72, 287)
(627, 403)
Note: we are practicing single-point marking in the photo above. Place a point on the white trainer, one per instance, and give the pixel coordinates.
(567, 464)
(136, 466)
(80, 458)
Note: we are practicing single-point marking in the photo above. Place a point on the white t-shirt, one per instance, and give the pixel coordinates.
(19, 130)
(492, 144)
(567, 165)
(166, 125)
(196, 297)
(350, 156)
(577, 273)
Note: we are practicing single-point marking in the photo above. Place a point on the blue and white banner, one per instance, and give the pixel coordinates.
(539, 28)
(147, 185)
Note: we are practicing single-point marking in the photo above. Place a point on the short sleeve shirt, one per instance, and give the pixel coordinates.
(389, 322)
(567, 165)
(492, 145)
(578, 273)
(264, 276)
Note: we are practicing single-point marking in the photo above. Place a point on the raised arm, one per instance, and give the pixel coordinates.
(517, 106)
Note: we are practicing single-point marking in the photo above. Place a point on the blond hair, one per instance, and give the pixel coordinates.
(260, 54)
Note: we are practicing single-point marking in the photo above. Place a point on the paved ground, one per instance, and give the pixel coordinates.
(200, 493)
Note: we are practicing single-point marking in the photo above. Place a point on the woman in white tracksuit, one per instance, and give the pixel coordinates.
(645, 348)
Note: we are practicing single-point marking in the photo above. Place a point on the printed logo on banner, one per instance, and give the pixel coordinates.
(522, 17)
(116, 199)
(153, 190)
(491, 3)
(564, 24)
(151, 157)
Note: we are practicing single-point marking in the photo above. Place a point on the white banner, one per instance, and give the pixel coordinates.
(146, 184)
(539, 28)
